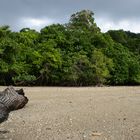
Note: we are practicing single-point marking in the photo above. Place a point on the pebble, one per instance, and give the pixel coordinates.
(96, 134)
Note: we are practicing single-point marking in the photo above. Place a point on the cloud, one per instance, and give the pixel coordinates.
(125, 24)
(35, 23)
(115, 13)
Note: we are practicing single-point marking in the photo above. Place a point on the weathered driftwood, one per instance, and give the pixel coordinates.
(11, 99)
(20, 91)
(4, 113)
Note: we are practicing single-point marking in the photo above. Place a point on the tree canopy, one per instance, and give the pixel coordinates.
(73, 54)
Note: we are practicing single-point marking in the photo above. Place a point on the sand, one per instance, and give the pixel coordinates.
(87, 113)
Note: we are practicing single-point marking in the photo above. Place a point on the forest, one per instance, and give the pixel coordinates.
(73, 54)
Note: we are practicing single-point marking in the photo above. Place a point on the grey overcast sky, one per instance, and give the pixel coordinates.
(109, 14)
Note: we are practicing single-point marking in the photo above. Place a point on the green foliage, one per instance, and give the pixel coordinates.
(83, 21)
(101, 65)
(74, 54)
(126, 65)
(4, 31)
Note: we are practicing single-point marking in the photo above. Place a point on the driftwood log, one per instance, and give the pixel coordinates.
(11, 99)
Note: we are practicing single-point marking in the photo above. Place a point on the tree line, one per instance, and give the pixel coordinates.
(73, 54)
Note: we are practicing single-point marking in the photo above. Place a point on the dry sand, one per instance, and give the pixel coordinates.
(91, 113)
